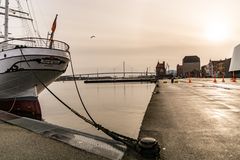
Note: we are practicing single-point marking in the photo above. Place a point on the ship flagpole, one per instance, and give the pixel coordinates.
(6, 20)
(54, 25)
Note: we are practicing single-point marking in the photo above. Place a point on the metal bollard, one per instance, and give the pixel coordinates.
(148, 147)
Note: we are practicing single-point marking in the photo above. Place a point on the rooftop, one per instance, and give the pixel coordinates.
(191, 59)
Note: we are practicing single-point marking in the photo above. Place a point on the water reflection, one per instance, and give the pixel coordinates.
(118, 106)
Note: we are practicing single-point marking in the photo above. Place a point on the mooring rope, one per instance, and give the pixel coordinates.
(78, 92)
(13, 104)
(128, 141)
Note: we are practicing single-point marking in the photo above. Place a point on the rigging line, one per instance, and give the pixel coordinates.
(24, 23)
(1, 33)
(35, 28)
(130, 142)
(40, 13)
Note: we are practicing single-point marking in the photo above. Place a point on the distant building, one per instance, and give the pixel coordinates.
(204, 71)
(212, 67)
(227, 63)
(191, 66)
(160, 70)
(179, 70)
(218, 68)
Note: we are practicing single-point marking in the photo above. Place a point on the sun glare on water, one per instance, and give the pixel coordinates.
(217, 32)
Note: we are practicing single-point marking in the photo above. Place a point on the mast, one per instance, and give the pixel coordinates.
(123, 69)
(6, 20)
(7, 14)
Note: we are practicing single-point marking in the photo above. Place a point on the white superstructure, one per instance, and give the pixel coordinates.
(235, 61)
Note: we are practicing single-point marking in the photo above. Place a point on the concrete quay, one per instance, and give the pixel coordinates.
(24, 138)
(18, 143)
(194, 121)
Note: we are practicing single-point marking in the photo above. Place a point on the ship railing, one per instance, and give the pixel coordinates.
(34, 43)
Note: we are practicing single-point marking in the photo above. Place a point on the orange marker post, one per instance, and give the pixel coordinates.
(234, 78)
(189, 78)
(214, 80)
(223, 78)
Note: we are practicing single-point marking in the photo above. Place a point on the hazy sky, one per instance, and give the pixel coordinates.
(141, 32)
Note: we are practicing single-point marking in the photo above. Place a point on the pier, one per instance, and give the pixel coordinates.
(198, 120)
(112, 77)
(108, 75)
(118, 80)
(24, 138)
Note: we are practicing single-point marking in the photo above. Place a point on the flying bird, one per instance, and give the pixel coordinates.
(93, 37)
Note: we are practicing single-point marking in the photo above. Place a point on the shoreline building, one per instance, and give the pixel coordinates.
(160, 70)
(218, 68)
(179, 70)
(191, 66)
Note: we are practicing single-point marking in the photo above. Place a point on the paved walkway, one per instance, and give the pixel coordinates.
(197, 121)
(24, 138)
(17, 143)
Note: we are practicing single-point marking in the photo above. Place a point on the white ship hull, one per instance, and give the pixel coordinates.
(18, 79)
(24, 69)
(24, 83)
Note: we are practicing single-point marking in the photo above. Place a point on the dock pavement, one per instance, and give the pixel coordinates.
(194, 121)
(23, 138)
(17, 143)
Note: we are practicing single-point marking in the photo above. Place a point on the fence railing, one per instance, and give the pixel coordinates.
(35, 43)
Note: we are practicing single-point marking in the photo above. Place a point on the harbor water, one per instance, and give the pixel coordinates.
(118, 106)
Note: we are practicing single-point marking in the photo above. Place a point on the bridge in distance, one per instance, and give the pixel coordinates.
(123, 74)
(109, 75)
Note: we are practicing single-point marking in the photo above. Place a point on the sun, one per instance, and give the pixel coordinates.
(217, 32)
